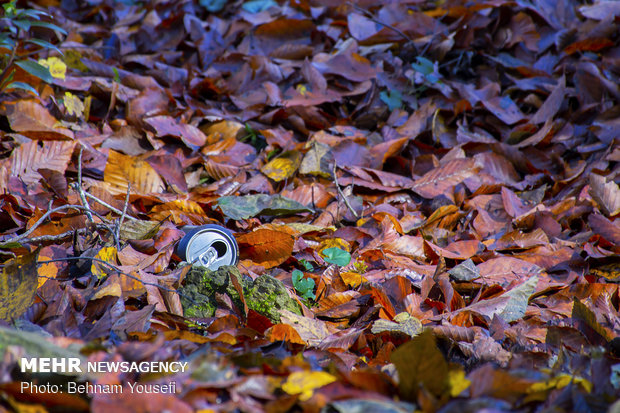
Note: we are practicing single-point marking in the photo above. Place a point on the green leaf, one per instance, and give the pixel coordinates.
(518, 299)
(50, 26)
(32, 13)
(213, 5)
(21, 85)
(465, 271)
(423, 65)
(304, 286)
(44, 44)
(35, 69)
(22, 24)
(307, 265)
(10, 8)
(337, 256)
(6, 41)
(257, 6)
(243, 207)
(393, 99)
(117, 76)
(8, 79)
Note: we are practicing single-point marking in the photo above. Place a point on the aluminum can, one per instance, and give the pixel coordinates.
(210, 246)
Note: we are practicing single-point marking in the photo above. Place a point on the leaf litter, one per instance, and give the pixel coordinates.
(430, 187)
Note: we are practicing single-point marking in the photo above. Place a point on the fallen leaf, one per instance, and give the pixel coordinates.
(439, 180)
(243, 207)
(266, 247)
(304, 383)
(283, 332)
(420, 363)
(107, 254)
(606, 194)
(282, 167)
(404, 323)
(18, 285)
(122, 170)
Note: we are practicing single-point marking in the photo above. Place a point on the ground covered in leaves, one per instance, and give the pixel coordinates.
(434, 185)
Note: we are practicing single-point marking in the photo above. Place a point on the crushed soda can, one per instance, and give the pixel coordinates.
(208, 245)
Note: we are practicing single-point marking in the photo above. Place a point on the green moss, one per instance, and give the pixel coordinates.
(266, 295)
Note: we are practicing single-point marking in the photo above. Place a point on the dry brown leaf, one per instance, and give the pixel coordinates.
(168, 126)
(606, 194)
(31, 119)
(440, 180)
(266, 247)
(284, 332)
(181, 212)
(29, 157)
(121, 170)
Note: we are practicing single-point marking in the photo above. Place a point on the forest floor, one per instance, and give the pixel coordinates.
(424, 194)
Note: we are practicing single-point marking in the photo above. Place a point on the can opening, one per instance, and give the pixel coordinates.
(220, 247)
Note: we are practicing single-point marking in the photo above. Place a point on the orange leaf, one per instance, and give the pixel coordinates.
(29, 157)
(283, 332)
(34, 121)
(46, 271)
(441, 179)
(122, 170)
(589, 45)
(266, 247)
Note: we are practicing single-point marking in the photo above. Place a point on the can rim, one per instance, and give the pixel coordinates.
(192, 232)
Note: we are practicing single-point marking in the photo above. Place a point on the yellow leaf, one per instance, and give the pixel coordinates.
(111, 289)
(457, 381)
(318, 161)
(121, 170)
(282, 167)
(73, 104)
(107, 254)
(560, 381)
(302, 89)
(57, 67)
(352, 279)
(18, 285)
(304, 383)
(46, 271)
(334, 243)
(73, 59)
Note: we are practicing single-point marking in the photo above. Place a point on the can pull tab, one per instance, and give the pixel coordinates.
(208, 257)
(210, 246)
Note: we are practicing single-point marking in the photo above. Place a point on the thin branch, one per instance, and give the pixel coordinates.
(110, 207)
(112, 266)
(372, 17)
(118, 270)
(346, 201)
(120, 221)
(59, 237)
(80, 190)
(50, 212)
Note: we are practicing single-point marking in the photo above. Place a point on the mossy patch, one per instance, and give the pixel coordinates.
(265, 295)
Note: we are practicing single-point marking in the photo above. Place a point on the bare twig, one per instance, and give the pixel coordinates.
(110, 207)
(346, 201)
(372, 17)
(59, 237)
(120, 220)
(112, 100)
(79, 188)
(52, 211)
(118, 270)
